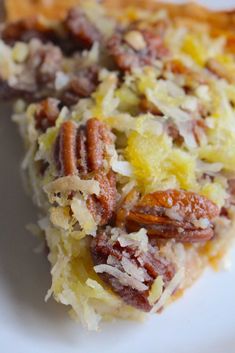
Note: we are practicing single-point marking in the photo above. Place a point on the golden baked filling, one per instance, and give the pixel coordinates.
(128, 122)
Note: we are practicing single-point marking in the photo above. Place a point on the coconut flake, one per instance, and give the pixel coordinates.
(202, 92)
(190, 104)
(122, 167)
(61, 80)
(209, 167)
(156, 290)
(170, 111)
(135, 39)
(72, 183)
(186, 131)
(127, 188)
(169, 290)
(202, 223)
(138, 239)
(59, 216)
(83, 216)
(124, 278)
(173, 213)
(132, 269)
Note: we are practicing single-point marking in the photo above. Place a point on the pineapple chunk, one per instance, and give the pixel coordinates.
(193, 47)
(157, 164)
(146, 153)
(146, 79)
(221, 134)
(182, 166)
(214, 192)
(222, 152)
(128, 100)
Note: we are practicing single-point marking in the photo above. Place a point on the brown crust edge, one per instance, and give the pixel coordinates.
(223, 20)
(192, 12)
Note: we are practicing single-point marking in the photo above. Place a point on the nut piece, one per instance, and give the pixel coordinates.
(83, 151)
(184, 216)
(50, 62)
(121, 259)
(82, 32)
(67, 157)
(47, 112)
(80, 85)
(135, 39)
(135, 48)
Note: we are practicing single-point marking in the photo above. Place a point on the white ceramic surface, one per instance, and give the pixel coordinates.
(202, 321)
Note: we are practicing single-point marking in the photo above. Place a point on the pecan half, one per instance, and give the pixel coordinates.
(128, 52)
(106, 251)
(36, 78)
(65, 150)
(24, 30)
(76, 32)
(47, 112)
(81, 85)
(50, 62)
(81, 31)
(184, 216)
(83, 151)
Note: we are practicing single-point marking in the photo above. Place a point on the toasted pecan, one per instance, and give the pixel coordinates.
(82, 150)
(81, 31)
(76, 31)
(152, 265)
(81, 85)
(67, 154)
(47, 112)
(176, 214)
(126, 55)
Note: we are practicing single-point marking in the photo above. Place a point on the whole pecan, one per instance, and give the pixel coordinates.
(178, 214)
(149, 263)
(83, 151)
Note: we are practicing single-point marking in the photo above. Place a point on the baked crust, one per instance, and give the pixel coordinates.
(56, 9)
(190, 14)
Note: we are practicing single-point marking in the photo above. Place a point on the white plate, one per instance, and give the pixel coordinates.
(202, 321)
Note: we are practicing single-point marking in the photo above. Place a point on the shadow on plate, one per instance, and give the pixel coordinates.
(24, 275)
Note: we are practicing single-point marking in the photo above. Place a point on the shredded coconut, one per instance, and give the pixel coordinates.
(124, 278)
(72, 183)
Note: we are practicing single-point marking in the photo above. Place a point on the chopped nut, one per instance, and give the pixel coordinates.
(129, 53)
(47, 112)
(124, 260)
(135, 39)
